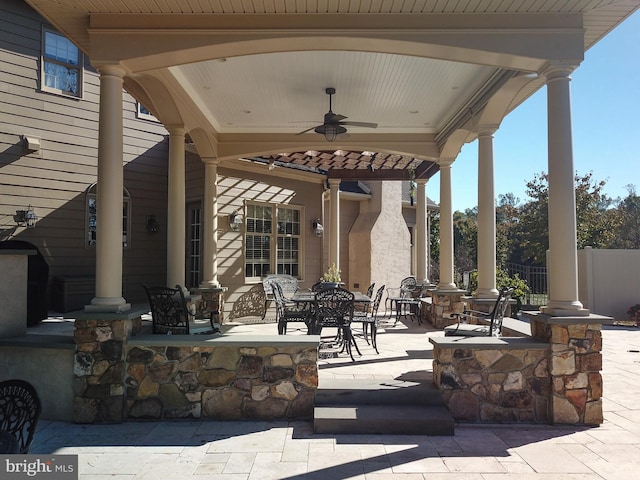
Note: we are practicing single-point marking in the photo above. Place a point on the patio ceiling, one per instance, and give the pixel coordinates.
(244, 78)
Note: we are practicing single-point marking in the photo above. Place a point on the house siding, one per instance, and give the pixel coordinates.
(54, 179)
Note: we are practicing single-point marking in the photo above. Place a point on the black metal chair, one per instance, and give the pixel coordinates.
(402, 298)
(20, 410)
(289, 311)
(170, 313)
(491, 323)
(334, 308)
(371, 318)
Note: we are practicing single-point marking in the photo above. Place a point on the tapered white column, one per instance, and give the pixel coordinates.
(176, 222)
(486, 216)
(422, 236)
(109, 195)
(446, 229)
(334, 228)
(210, 224)
(563, 255)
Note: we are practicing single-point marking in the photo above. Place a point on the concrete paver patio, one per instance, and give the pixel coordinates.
(290, 450)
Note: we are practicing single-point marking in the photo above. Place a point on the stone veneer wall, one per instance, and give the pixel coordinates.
(120, 375)
(574, 368)
(220, 382)
(443, 304)
(493, 380)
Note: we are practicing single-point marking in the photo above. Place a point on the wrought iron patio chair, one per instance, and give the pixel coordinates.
(20, 410)
(491, 323)
(396, 295)
(334, 308)
(170, 313)
(288, 311)
(371, 318)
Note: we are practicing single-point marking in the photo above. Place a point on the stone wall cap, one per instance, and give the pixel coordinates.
(592, 318)
(134, 312)
(11, 251)
(490, 343)
(216, 340)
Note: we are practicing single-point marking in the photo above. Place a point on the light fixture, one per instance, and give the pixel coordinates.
(31, 144)
(235, 220)
(317, 227)
(26, 218)
(152, 224)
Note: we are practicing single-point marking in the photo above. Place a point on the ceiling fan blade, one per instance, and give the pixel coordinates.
(333, 117)
(360, 124)
(308, 130)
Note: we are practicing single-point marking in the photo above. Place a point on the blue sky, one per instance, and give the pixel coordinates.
(605, 100)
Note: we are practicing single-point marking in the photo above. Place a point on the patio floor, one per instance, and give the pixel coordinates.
(290, 450)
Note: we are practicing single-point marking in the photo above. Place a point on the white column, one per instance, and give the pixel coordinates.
(563, 255)
(421, 232)
(334, 229)
(486, 216)
(109, 195)
(446, 229)
(176, 222)
(210, 224)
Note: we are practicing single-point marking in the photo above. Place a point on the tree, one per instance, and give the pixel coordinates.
(627, 233)
(465, 239)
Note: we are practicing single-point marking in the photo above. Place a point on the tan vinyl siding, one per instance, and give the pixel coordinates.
(54, 179)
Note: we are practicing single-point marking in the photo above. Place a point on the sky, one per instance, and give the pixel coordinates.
(605, 109)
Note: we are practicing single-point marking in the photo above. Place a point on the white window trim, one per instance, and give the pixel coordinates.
(273, 252)
(142, 113)
(126, 199)
(43, 59)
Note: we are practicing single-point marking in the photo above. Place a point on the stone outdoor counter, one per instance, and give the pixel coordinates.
(491, 379)
(227, 377)
(120, 373)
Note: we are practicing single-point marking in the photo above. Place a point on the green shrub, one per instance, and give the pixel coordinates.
(503, 280)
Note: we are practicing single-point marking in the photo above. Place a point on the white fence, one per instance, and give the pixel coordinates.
(609, 280)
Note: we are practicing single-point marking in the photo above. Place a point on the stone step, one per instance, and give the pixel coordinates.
(376, 392)
(392, 407)
(383, 419)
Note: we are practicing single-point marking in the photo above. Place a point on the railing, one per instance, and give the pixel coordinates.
(536, 278)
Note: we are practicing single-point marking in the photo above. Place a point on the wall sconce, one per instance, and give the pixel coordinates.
(152, 224)
(318, 229)
(235, 220)
(32, 144)
(26, 218)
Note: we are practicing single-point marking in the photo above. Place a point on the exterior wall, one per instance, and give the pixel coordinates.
(608, 281)
(54, 179)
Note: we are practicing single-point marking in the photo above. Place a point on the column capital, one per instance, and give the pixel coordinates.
(335, 182)
(112, 70)
(176, 129)
(210, 161)
(421, 181)
(557, 70)
(487, 130)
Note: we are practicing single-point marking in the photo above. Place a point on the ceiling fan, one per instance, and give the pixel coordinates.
(333, 123)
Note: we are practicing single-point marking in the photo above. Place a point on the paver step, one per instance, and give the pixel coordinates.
(376, 392)
(384, 419)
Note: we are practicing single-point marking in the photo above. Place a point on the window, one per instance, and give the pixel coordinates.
(194, 221)
(144, 113)
(61, 65)
(268, 250)
(92, 216)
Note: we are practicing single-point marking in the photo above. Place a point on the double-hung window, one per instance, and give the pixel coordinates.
(273, 242)
(92, 216)
(61, 65)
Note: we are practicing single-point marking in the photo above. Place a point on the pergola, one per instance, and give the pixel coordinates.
(242, 79)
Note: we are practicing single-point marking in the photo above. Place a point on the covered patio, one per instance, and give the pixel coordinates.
(233, 88)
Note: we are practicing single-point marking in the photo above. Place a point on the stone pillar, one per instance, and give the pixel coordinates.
(422, 234)
(574, 366)
(210, 225)
(176, 222)
(486, 216)
(563, 256)
(334, 229)
(109, 195)
(446, 229)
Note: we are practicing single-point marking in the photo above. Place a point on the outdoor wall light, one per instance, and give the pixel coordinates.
(26, 218)
(31, 144)
(235, 220)
(152, 224)
(317, 227)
